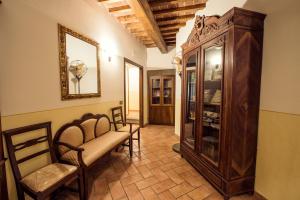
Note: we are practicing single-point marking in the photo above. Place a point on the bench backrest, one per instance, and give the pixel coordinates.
(80, 131)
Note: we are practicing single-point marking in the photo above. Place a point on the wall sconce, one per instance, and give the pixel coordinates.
(177, 61)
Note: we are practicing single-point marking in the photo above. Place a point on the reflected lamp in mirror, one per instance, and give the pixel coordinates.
(178, 64)
(79, 65)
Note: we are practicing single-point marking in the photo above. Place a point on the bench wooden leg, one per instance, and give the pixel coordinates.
(85, 185)
(130, 145)
(139, 138)
(81, 186)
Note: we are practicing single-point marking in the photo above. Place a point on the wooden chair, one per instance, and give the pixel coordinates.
(122, 126)
(43, 182)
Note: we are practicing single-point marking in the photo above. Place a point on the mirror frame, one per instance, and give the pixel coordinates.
(64, 74)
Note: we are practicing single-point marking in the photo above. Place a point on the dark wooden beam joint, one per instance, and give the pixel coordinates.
(175, 10)
(119, 8)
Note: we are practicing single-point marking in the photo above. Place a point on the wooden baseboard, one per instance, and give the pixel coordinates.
(258, 196)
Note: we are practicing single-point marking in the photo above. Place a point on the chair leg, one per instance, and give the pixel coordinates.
(130, 145)
(81, 186)
(20, 192)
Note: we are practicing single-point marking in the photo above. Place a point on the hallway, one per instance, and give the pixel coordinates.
(155, 173)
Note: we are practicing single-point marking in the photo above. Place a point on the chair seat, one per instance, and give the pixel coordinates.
(47, 176)
(96, 148)
(126, 128)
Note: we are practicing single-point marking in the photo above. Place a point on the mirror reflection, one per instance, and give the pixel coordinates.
(82, 66)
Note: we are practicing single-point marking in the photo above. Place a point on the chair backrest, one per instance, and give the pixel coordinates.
(117, 116)
(80, 131)
(13, 148)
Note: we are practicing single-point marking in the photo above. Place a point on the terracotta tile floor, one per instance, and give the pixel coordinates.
(156, 172)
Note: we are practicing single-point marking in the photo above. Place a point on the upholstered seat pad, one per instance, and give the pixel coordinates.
(126, 128)
(96, 148)
(47, 176)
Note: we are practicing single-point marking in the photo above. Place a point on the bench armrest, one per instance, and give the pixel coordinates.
(70, 146)
(78, 149)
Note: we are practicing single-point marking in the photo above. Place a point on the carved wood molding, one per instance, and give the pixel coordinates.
(205, 27)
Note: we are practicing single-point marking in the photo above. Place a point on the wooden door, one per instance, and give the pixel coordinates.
(3, 184)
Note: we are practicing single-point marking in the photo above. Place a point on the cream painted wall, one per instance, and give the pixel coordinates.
(277, 176)
(29, 70)
(157, 60)
(29, 78)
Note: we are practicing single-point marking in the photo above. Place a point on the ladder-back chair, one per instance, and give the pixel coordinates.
(42, 182)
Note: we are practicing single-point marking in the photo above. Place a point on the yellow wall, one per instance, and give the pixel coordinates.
(278, 157)
(58, 118)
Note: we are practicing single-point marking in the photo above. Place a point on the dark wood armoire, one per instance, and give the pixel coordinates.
(222, 61)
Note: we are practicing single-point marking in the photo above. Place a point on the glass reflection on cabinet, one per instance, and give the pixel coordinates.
(189, 124)
(168, 86)
(212, 99)
(156, 91)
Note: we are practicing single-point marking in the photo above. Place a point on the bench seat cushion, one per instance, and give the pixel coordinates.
(126, 128)
(96, 148)
(47, 176)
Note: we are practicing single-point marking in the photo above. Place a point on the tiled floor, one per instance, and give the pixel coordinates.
(156, 172)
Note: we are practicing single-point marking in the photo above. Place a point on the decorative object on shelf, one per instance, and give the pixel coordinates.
(217, 97)
(83, 53)
(78, 69)
(217, 73)
(207, 96)
(225, 54)
(177, 61)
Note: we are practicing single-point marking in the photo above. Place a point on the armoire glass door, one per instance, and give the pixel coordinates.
(190, 95)
(212, 101)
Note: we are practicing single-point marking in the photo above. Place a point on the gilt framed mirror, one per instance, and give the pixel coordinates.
(79, 65)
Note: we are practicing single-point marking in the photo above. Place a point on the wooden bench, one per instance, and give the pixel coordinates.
(85, 141)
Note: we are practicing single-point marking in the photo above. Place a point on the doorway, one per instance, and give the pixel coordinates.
(133, 92)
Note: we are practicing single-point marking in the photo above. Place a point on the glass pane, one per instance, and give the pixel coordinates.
(168, 83)
(212, 97)
(189, 125)
(155, 91)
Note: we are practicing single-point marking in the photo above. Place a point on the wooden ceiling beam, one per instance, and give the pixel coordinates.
(171, 25)
(144, 13)
(169, 33)
(119, 8)
(170, 37)
(180, 17)
(174, 30)
(127, 19)
(134, 25)
(180, 9)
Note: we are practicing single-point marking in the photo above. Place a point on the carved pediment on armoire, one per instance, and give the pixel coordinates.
(203, 28)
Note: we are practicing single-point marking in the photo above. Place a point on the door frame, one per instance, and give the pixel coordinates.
(141, 89)
(3, 183)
